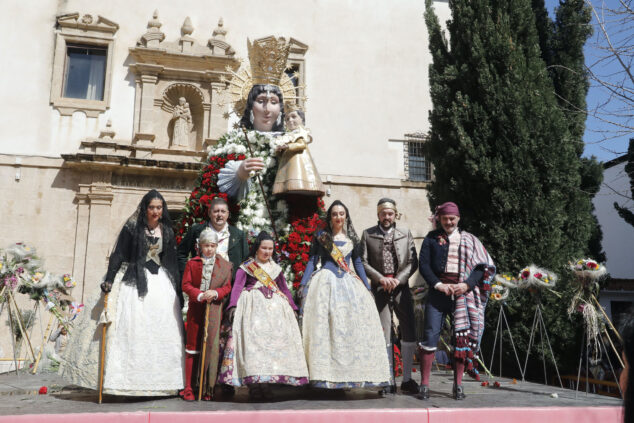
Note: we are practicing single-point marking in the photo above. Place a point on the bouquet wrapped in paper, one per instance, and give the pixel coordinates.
(18, 263)
(533, 277)
(587, 271)
(501, 286)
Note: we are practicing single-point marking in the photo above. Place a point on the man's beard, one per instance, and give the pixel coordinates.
(389, 225)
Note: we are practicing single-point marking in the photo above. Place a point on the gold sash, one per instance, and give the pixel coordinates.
(336, 254)
(252, 267)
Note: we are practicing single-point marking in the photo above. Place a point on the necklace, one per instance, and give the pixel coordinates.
(151, 231)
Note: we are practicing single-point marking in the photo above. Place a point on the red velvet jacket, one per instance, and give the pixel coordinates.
(192, 277)
(220, 279)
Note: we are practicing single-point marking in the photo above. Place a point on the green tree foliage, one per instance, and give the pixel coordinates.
(504, 148)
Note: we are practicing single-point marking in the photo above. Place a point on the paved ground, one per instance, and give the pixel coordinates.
(19, 395)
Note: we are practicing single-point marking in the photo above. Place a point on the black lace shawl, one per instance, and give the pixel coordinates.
(132, 247)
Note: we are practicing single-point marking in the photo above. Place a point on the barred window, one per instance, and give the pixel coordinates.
(417, 168)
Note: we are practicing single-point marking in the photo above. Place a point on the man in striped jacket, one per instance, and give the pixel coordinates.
(458, 270)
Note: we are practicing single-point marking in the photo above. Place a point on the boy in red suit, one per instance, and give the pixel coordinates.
(206, 279)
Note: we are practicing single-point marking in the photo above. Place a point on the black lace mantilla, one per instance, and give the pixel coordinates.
(132, 248)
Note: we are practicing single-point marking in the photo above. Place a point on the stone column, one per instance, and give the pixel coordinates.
(200, 142)
(100, 238)
(217, 120)
(81, 237)
(149, 78)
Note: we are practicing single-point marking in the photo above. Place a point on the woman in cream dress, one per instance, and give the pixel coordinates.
(342, 333)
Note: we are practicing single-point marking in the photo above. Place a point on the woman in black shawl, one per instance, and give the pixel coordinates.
(144, 342)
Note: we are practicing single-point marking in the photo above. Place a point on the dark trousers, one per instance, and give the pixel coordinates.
(437, 308)
(404, 309)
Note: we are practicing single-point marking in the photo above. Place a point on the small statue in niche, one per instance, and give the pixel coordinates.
(182, 118)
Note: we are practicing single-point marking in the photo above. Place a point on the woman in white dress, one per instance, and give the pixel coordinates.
(144, 341)
(342, 334)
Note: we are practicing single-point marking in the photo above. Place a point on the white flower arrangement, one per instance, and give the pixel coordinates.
(501, 287)
(498, 292)
(588, 270)
(535, 277)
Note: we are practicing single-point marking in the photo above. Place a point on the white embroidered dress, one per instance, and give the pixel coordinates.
(144, 341)
(342, 333)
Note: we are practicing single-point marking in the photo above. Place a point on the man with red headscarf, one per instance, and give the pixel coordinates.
(458, 270)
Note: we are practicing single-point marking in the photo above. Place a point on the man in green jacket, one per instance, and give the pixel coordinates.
(232, 242)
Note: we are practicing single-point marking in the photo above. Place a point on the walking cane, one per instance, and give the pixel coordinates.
(202, 356)
(103, 348)
(393, 335)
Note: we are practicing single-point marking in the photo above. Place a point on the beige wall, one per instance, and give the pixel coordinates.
(366, 71)
(366, 76)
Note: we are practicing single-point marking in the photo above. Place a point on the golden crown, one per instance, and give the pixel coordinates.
(267, 65)
(267, 57)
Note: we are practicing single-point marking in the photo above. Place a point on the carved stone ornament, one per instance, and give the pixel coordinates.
(175, 83)
(217, 42)
(153, 37)
(87, 23)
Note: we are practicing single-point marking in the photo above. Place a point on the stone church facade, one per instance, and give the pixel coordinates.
(90, 91)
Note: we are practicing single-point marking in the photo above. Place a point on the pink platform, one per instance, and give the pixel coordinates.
(420, 415)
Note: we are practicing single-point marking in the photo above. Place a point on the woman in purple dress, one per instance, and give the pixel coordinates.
(265, 345)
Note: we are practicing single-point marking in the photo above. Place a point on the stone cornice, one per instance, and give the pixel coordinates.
(173, 61)
(90, 162)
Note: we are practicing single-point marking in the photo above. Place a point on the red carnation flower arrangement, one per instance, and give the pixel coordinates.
(295, 249)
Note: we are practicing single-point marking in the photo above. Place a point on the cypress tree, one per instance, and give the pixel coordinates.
(570, 32)
(502, 149)
(499, 142)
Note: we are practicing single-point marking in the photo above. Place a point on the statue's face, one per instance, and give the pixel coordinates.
(182, 101)
(293, 121)
(266, 109)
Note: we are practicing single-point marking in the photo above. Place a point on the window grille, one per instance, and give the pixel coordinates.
(417, 167)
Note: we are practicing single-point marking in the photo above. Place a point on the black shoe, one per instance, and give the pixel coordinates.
(228, 391)
(458, 392)
(256, 393)
(410, 387)
(423, 392)
(267, 392)
(388, 390)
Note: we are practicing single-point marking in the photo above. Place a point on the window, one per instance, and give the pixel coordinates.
(82, 65)
(417, 168)
(85, 73)
(293, 73)
(296, 70)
